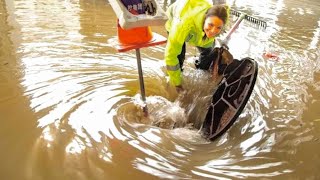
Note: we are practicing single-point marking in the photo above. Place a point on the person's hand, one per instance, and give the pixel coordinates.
(179, 89)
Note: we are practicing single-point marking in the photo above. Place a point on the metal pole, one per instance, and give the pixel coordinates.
(141, 82)
(232, 29)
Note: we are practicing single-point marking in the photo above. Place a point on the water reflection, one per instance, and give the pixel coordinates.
(85, 97)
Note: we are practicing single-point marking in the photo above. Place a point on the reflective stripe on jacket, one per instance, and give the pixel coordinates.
(185, 24)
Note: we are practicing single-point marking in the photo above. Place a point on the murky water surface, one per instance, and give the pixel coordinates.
(70, 104)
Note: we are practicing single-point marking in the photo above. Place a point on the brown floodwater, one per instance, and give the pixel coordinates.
(70, 104)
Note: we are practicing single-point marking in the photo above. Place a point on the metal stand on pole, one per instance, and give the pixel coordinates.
(141, 82)
(157, 39)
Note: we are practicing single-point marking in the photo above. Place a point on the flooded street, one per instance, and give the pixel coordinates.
(70, 104)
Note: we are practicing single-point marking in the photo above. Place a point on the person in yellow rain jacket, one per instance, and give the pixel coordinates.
(196, 22)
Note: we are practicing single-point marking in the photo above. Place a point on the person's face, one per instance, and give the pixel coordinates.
(212, 26)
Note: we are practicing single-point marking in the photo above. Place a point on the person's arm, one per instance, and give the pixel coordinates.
(175, 41)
